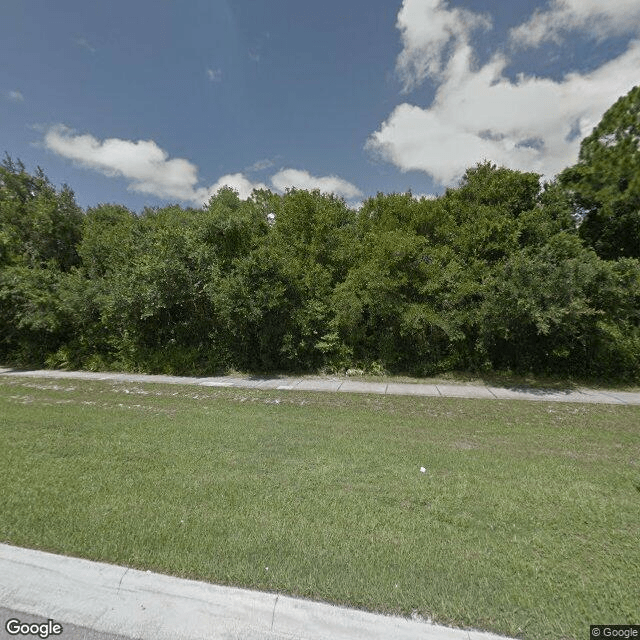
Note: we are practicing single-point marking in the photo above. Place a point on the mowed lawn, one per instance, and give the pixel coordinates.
(526, 521)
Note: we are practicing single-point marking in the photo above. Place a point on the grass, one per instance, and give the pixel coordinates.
(524, 523)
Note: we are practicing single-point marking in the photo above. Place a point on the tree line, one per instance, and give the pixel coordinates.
(499, 273)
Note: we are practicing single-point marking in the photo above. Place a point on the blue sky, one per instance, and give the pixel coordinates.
(149, 102)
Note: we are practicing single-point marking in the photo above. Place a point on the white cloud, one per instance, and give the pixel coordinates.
(144, 164)
(215, 75)
(85, 44)
(260, 165)
(429, 29)
(16, 96)
(149, 169)
(530, 124)
(236, 181)
(595, 17)
(304, 180)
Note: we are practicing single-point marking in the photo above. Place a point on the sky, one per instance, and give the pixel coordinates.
(153, 102)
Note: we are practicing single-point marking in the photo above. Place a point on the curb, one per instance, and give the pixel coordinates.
(151, 606)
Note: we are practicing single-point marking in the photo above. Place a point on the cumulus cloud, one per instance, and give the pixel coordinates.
(477, 114)
(594, 17)
(16, 96)
(149, 169)
(304, 180)
(429, 30)
(236, 181)
(143, 163)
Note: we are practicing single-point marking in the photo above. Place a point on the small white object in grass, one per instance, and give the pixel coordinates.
(266, 568)
(423, 470)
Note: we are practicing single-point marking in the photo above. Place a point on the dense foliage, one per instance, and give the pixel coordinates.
(495, 274)
(605, 183)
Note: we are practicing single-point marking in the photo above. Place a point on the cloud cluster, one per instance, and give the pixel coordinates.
(149, 169)
(237, 181)
(304, 180)
(530, 124)
(595, 17)
(430, 30)
(143, 163)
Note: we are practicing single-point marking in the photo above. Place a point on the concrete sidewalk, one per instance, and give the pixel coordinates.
(342, 385)
(123, 602)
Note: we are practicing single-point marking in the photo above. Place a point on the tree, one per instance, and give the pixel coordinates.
(513, 192)
(152, 300)
(604, 185)
(484, 218)
(560, 308)
(109, 239)
(39, 232)
(228, 228)
(37, 223)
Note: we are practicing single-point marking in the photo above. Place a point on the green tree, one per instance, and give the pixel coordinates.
(561, 309)
(604, 185)
(110, 234)
(273, 297)
(39, 232)
(31, 320)
(37, 223)
(153, 305)
(370, 305)
(228, 228)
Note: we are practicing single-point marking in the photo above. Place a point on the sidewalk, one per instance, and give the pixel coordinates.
(356, 386)
(149, 606)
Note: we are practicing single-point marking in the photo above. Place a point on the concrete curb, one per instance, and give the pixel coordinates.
(150, 606)
(587, 396)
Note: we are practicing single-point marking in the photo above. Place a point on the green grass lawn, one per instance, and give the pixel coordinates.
(526, 521)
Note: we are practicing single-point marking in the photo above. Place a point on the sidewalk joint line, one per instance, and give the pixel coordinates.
(273, 615)
(610, 394)
(121, 579)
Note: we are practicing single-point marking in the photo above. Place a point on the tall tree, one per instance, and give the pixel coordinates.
(604, 185)
(37, 223)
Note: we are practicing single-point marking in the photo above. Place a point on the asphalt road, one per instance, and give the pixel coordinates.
(69, 631)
